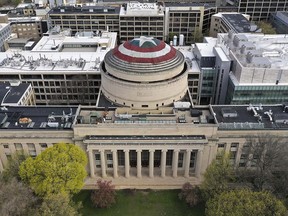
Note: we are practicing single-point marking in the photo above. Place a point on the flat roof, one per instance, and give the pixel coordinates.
(3, 25)
(12, 94)
(37, 117)
(188, 4)
(190, 58)
(141, 9)
(85, 10)
(205, 49)
(47, 56)
(238, 22)
(24, 19)
(247, 119)
(128, 116)
(272, 48)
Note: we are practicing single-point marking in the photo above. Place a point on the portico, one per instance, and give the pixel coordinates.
(143, 160)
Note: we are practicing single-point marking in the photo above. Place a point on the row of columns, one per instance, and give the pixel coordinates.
(151, 163)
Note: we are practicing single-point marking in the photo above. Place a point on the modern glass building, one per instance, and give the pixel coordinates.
(246, 94)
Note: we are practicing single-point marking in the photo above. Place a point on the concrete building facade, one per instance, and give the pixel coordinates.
(234, 22)
(184, 20)
(85, 18)
(261, 10)
(279, 21)
(27, 27)
(5, 32)
(259, 68)
(137, 19)
(65, 69)
(138, 152)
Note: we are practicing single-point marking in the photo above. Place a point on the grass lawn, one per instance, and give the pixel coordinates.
(141, 203)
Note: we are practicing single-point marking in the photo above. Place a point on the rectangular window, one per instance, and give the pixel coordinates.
(169, 158)
(234, 145)
(43, 145)
(180, 159)
(97, 160)
(193, 159)
(121, 158)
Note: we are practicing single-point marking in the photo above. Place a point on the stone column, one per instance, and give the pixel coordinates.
(127, 164)
(187, 163)
(37, 148)
(103, 163)
(91, 162)
(3, 157)
(238, 155)
(175, 162)
(1, 166)
(115, 163)
(26, 150)
(139, 163)
(163, 163)
(151, 163)
(199, 163)
(49, 145)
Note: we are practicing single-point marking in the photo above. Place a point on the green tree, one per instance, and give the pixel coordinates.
(58, 205)
(16, 198)
(245, 202)
(198, 36)
(217, 177)
(105, 195)
(266, 27)
(12, 169)
(60, 169)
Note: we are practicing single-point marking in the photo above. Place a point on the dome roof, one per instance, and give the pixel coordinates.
(145, 50)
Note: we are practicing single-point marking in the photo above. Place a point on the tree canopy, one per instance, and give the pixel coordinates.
(16, 198)
(59, 169)
(217, 177)
(11, 171)
(245, 202)
(266, 27)
(58, 204)
(269, 157)
(105, 195)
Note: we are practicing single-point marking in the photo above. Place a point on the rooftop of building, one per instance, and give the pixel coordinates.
(37, 117)
(257, 50)
(206, 49)
(24, 19)
(183, 114)
(239, 22)
(188, 4)
(141, 9)
(225, 117)
(251, 117)
(11, 93)
(25, 5)
(85, 10)
(282, 15)
(190, 58)
(60, 53)
(3, 25)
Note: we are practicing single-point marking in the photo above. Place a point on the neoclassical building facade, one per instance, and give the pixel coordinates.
(162, 150)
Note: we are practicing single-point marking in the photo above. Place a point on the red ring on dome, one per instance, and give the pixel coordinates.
(153, 60)
(130, 46)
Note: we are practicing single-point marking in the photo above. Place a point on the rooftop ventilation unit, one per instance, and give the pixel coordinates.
(229, 113)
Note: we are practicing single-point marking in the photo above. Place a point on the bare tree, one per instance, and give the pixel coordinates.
(105, 195)
(266, 167)
(16, 199)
